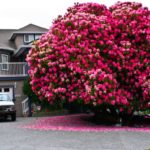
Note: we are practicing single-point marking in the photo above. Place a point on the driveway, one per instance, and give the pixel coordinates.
(12, 137)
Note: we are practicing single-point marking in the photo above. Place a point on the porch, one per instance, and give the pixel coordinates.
(14, 69)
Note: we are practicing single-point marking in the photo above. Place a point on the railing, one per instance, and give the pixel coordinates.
(13, 69)
(25, 107)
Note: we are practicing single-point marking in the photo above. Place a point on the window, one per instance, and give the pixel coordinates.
(28, 38)
(6, 89)
(37, 36)
(31, 37)
(4, 62)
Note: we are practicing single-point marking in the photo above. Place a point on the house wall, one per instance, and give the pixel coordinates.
(18, 93)
(11, 46)
(19, 40)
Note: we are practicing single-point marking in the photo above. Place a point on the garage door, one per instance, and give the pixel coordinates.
(7, 90)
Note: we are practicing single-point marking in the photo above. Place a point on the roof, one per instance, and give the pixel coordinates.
(32, 27)
(28, 29)
(8, 35)
(5, 43)
(22, 49)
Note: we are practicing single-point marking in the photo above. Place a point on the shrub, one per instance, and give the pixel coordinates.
(96, 56)
(28, 91)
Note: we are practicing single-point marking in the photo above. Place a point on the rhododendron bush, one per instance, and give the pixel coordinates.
(96, 56)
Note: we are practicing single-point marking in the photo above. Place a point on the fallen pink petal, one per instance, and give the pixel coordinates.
(78, 123)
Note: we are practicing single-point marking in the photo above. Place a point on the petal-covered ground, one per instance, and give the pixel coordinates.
(78, 122)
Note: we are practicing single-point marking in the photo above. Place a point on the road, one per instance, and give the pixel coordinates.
(12, 137)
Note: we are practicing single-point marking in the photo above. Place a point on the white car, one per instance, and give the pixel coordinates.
(7, 107)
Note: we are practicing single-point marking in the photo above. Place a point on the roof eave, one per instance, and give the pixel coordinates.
(21, 49)
(7, 49)
(14, 34)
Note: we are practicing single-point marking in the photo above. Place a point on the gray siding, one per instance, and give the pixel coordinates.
(19, 41)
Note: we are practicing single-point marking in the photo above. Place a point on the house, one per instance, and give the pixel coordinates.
(14, 46)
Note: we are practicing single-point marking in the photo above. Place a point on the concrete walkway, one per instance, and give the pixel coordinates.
(12, 137)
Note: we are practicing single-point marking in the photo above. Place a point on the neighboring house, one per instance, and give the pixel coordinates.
(14, 46)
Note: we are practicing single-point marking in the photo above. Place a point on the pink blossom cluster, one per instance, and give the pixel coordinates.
(132, 29)
(96, 56)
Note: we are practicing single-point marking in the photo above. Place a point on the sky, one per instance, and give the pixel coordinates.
(15, 14)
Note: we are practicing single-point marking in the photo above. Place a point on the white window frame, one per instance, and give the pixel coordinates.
(5, 66)
(29, 38)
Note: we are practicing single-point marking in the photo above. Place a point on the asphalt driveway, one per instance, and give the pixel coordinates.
(12, 137)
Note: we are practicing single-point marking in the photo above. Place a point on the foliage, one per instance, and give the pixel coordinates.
(28, 91)
(95, 56)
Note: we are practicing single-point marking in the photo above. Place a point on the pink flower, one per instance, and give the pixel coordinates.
(95, 54)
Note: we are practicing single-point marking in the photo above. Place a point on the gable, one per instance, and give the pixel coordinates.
(32, 27)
